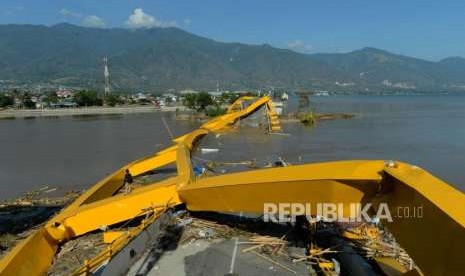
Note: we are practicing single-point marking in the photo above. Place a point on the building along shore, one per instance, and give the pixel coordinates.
(24, 113)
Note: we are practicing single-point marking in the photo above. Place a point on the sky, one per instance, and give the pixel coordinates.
(421, 28)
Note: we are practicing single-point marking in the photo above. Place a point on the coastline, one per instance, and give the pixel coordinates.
(27, 113)
(294, 117)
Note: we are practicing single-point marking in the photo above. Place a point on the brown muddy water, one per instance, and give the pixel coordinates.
(76, 152)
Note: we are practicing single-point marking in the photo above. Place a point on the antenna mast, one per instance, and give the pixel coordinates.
(106, 73)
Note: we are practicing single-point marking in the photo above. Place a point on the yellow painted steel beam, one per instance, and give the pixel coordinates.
(190, 140)
(334, 182)
(116, 245)
(436, 239)
(22, 259)
(183, 163)
(153, 162)
(102, 189)
(223, 121)
(434, 242)
(390, 266)
(237, 104)
(448, 199)
(116, 209)
(109, 185)
(31, 256)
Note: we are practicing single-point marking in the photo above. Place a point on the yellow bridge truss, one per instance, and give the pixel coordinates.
(435, 242)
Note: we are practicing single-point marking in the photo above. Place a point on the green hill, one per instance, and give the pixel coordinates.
(162, 58)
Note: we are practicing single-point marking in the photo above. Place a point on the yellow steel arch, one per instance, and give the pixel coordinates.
(22, 259)
(434, 242)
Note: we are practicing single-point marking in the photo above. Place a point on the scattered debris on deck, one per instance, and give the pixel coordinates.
(21, 216)
(281, 248)
(73, 254)
(376, 242)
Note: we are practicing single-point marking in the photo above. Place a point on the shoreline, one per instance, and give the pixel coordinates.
(294, 117)
(30, 113)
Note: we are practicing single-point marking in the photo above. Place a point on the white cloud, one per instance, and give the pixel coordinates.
(140, 19)
(70, 13)
(13, 11)
(299, 46)
(187, 21)
(94, 21)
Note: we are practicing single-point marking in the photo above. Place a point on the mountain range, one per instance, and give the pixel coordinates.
(159, 59)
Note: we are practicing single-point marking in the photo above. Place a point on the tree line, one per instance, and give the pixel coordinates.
(81, 98)
(211, 106)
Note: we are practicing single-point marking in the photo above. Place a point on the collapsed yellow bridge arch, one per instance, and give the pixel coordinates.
(435, 243)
